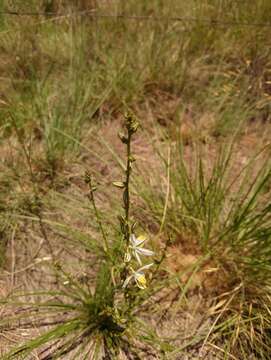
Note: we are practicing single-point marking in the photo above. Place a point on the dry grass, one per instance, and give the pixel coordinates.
(65, 84)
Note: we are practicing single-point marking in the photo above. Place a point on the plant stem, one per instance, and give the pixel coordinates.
(127, 188)
(38, 203)
(98, 218)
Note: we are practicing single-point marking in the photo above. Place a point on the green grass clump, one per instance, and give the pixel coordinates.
(87, 318)
(224, 211)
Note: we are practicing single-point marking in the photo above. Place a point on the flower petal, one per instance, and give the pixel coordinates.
(137, 257)
(140, 279)
(140, 240)
(145, 267)
(132, 238)
(145, 252)
(127, 280)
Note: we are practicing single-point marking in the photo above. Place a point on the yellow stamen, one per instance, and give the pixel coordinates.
(141, 281)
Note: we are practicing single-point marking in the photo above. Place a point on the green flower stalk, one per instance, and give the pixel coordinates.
(133, 245)
(131, 125)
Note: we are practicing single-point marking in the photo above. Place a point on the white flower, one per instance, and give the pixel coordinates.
(138, 276)
(137, 249)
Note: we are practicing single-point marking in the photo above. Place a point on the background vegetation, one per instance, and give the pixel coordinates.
(197, 76)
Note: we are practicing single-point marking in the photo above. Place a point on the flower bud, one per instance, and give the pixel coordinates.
(131, 123)
(123, 138)
(119, 184)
